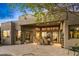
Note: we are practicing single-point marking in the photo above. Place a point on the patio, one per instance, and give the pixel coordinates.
(34, 50)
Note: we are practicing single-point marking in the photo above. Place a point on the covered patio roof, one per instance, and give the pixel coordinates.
(31, 21)
(54, 23)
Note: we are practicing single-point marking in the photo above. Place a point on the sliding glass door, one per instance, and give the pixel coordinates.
(47, 35)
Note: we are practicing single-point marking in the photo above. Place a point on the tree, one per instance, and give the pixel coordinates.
(47, 11)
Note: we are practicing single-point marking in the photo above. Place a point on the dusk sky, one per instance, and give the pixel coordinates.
(8, 14)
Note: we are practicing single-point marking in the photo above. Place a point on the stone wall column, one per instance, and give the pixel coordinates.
(65, 32)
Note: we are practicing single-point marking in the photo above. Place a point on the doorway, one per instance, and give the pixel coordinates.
(26, 37)
(48, 35)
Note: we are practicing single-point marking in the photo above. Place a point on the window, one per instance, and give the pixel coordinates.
(43, 29)
(49, 28)
(38, 29)
(6, 33)
(74, 31)
(55, 28)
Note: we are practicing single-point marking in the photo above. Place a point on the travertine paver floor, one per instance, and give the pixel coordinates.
(36, 50)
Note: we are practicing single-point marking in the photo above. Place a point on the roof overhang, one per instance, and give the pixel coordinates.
(53, 23)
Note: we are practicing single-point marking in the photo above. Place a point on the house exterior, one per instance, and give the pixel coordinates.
(26, 31)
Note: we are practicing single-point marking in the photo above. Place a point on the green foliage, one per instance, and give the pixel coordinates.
(54, 11)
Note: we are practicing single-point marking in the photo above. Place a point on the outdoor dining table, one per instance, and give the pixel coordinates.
(74, 49)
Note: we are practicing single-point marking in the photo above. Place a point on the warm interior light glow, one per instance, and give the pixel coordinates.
(77, 28)
(37, 37)
(6, 33)
(44, 34)
(37, 34)
(19, 34)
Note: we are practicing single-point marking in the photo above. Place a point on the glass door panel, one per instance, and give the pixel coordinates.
(44, 37)
(37, 40)
(27, 37)
(55, 37)
(44, 34)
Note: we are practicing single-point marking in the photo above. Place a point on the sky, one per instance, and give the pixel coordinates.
(12, 14)
(9, 14)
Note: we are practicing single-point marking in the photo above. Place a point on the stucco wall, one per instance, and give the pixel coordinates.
(7, 26)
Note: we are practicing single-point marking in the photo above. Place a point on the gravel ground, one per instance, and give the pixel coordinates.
(33, 50)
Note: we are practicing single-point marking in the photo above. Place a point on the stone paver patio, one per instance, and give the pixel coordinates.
(35, 50)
